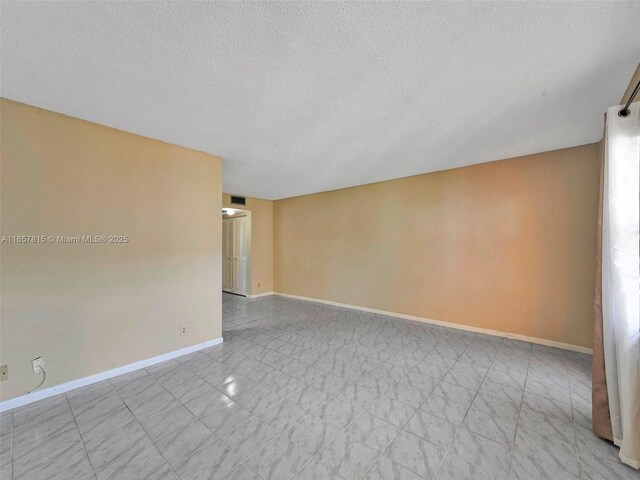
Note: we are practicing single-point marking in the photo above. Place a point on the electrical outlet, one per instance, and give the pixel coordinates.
(258, 284)
(183, 330)
(38, 364)
(4, 373)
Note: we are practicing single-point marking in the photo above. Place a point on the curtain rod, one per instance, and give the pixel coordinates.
(625, 111)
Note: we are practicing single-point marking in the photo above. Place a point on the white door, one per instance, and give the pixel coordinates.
(235, 253)
(227, 254)
(241, 247)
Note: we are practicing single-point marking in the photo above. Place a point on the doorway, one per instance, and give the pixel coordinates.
(236, 246)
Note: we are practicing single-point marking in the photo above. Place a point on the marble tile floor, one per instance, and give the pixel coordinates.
(306, 391)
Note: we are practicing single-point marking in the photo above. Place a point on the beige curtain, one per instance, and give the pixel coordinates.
(600, 399)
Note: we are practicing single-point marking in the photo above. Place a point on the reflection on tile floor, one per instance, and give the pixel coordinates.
(307, 391)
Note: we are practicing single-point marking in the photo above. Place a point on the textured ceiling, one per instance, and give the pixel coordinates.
(305, 97)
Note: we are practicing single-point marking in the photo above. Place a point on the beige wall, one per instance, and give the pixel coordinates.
(261, 242)
(89, 308)
(508, 245)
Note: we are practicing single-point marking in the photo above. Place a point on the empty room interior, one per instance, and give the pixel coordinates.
(319, 240)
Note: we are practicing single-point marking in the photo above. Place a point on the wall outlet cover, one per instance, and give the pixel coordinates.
(183, 330)
(38, 364)
(4, 373)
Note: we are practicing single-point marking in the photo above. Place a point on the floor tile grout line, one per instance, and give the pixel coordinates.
(515, 433)
(139, 421)
(444, 457)
(84, 447)
(310, 413)
(255, 416)
(574, 446)
(336, 436)
(418, 410)
(339, 432)
(218, 438)
(11, 452)
(206, 443)
(272, 440)
(511, 449)
(575, 433)
(352, 422)
(396, 436)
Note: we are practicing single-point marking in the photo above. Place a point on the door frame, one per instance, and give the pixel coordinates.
(246, 214)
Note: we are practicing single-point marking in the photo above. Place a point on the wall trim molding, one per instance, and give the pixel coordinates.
(258, 295)
(469, 328)
(98, 377)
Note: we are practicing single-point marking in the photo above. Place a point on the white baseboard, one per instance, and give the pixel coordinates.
(496, 333)
(258, 295)
(98, 377)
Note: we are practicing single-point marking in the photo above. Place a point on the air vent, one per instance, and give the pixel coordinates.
(239, 200)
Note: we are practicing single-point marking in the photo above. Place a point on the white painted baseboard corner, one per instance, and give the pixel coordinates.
(468, 328)
(259, 295)
(98, 377)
